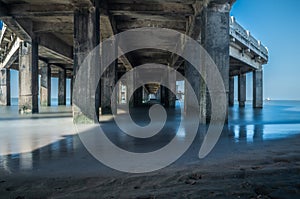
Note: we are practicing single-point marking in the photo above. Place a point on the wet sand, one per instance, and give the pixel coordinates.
(266, 170)
(255, 158)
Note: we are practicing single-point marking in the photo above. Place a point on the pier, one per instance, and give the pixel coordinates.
(50, 39)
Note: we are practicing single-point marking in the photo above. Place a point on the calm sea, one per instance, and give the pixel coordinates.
(278, 119)
(54, 101)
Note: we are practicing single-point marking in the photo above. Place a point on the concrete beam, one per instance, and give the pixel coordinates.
(5, 98)
(3, 9)
(64, 27)
(12, 55)
(52, 43)
(21, 27)
(24, 29)
(35, 10)
(155, 8)
(237, 53)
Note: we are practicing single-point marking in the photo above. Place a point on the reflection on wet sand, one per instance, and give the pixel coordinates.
(48, 144)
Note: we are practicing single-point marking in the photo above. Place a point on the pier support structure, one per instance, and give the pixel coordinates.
(231, 91)
(242, 90)
(138, 97)
(215, 39)
(129, 89)
(45, 87)
(28, 77)
(5, 87)
(62, 87)
(258, 88)
(108, 80)
(86, 20)
(171, 101)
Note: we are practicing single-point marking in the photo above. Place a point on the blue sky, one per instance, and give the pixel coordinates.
(277, 24)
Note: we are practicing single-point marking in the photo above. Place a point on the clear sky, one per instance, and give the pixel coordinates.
(277, 24)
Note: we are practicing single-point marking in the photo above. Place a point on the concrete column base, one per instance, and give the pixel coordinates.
(28, 78)
(108, 80)
(231, 91)
(62, 87)
(5, 99)
(172, 84)
(86, 94)
(242, 90)
(45, 88)
(258, 89)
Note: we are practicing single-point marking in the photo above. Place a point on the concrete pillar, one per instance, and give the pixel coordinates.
(163, 95)
(242, 90)
(258, 88)
(129, 89)
(214, 38)
(45, 88)
(158, 95)
(108, 80)
(5, 87)
(138, 97)
(145, 95)
(199, 87)
(172, 84)
(28, 77)
(62, 87)
(231, 91)
(71, 90)
(86, 100)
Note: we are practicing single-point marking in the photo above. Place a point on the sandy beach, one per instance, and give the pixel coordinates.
(258, 157)
(269, 169)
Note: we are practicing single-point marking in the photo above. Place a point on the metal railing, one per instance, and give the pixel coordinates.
(10, 49)
(244, 37)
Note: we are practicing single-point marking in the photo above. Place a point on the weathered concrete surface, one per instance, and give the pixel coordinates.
(28, 78)
(45, 88)
(163, 95)
(231, 91)
(214, 38)
(138, 97)
(62, 87)
(85, 101)
(242, 90)
(108, 80)
(5, 87)
(258, 88)
(172, 84)
(129, 89)
(145, 94)
(71, 90)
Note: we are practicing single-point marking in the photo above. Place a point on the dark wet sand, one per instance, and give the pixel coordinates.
(267, 170)
(259, 157)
